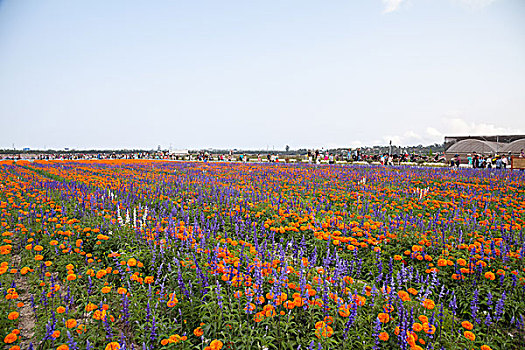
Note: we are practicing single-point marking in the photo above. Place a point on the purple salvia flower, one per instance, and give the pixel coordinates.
(500, 306)
(489, 300)
(107, 327)
(219, 295)
(71, 342)
(488, 320)
(474, 306)
(153, 329)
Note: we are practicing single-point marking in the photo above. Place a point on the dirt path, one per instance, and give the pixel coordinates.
(27, 319)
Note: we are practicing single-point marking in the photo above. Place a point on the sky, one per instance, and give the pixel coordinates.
(129, 74)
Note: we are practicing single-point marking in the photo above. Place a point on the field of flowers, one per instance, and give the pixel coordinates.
(173, 255)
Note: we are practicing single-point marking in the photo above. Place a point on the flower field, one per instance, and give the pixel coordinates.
(174, 255)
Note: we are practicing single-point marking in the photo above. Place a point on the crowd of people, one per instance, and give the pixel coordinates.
(316, 156)
(77, 156)
(356, 155)
(479, 161)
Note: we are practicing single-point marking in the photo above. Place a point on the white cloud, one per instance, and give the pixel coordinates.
(394, 5)
(475, 4)
(433, 132)
(459, 126)
(409, 137)
(452, 124)
(391, 5)
(356, 143)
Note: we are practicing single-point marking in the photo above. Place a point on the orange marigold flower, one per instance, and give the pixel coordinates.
(442, 262)
(13, 315)
(469, 335)
(198, 332)
(412, 291)
(216, 344)
(298, 301)
(467, 325)
(10, 338)
(429, 329)
(106, 290)
(384, 336)
(101, 273)
(485, 347)
(323, 330)
(172, 301)
(91, 307)
(417, 327)
(71, 323)
(113, 346)
(429, 304)
(55, 334)
(63, 347)
(403, 295)
(99, 315)
(344, 311)
(383, 317)
(81, 329)
(490, 276)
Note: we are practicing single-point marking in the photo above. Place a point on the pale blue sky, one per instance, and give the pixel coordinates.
(257, 74)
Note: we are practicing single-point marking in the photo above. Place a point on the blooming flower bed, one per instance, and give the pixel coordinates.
(164, 255)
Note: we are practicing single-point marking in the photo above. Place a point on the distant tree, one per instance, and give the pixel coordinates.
(287, 148)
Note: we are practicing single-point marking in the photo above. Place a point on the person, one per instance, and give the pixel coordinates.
(458, 160)
(506, 161)
(522, 154)
(469, 160)
(331, 159)
(475, 161)
(481, 161)
(499, 162)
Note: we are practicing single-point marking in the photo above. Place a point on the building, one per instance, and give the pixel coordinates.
(484, 145)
